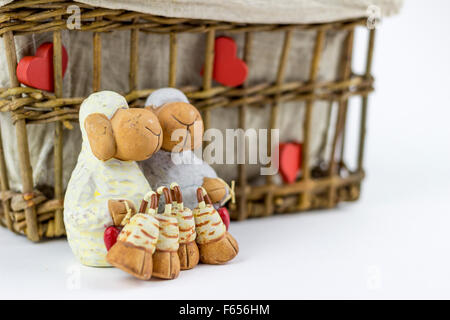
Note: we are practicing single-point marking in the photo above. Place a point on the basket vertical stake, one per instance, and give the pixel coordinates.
(4, 184)
(58, 139)
(242, 212)
(304, 201)
(362, 130)
(134, 58)
(346, 70)
(274, 110)
(97, 60)
(22, 142)
(208, 73)
(324, 139)
(173, 60)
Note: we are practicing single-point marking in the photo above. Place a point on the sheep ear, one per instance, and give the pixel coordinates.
(100, 136)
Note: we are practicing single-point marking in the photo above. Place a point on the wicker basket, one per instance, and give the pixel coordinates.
(38, 216)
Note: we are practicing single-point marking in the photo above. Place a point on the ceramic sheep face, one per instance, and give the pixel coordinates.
(185, 121)
(177, 116)
(182, 127)
(131, 134)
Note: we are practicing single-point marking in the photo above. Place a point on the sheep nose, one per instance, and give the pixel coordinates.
(152, 124)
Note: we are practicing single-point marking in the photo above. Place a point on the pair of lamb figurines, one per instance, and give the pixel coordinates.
(108, 182)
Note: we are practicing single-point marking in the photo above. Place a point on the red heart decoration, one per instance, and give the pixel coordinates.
(37, 71)
(228, 70)
(110, 236)
(223, 212)
(290, 160)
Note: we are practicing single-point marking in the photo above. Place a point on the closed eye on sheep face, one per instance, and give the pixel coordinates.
(156, 134)
(131, 135)
(185, 124)
(176, 116)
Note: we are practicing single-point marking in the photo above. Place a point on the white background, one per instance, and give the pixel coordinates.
(393, 243)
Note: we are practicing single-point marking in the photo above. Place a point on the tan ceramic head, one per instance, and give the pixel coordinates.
(182, 126)
(131, 134)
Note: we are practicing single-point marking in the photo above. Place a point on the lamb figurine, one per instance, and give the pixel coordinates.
(175, 113)
(114, 137)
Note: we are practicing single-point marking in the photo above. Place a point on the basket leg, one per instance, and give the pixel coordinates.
(26, 171)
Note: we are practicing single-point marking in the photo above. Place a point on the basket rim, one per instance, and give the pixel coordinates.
(289, 12)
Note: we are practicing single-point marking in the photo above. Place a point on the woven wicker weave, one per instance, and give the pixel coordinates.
(318, 187)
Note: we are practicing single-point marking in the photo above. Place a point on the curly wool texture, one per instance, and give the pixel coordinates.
(161, 170)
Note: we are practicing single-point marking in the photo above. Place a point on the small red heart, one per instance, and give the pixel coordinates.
(223, 212)
(290, 160)
(37, 71)
(110, 236)
(228, 70)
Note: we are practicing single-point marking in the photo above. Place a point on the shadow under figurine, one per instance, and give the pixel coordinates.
(114, 137)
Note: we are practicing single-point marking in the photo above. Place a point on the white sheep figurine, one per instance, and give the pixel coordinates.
(114, 137)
